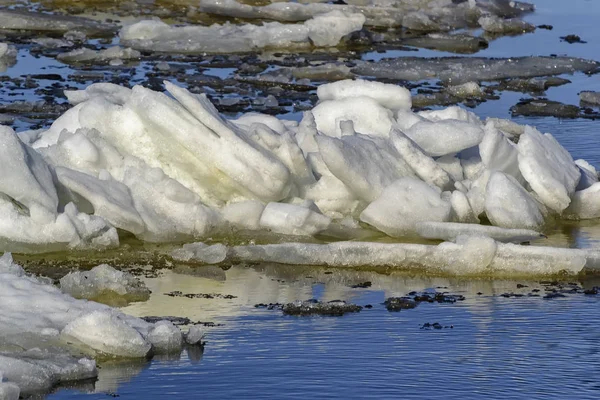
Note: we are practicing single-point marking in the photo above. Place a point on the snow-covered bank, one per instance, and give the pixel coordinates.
(43, 332)
(168, 168)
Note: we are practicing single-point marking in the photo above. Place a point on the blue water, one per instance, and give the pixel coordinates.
(499, 348)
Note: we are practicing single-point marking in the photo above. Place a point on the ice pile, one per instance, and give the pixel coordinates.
(104, 281)
(168, 168)
(323, 30)
(40, 326)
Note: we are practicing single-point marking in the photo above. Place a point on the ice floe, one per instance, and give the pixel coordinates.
(322, 30)
(466, 255)
(425, 15)
(44, 331)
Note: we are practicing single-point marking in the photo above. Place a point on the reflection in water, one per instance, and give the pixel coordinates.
(499, 347)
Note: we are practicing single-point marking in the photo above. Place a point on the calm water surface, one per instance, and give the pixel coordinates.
(498, 347)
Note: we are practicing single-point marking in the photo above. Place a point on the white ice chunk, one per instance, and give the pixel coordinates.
(194, 335)
(423, 165)
(585, 204)
(403, 204)
(451, 113)
(169, 210)
(106, 333)
(589, 175)
(389, 96)
(507, 203)
(452, 165)
(365, 165)
(35, 371)
(445, 136)
(68, 230)
(165, 338)
(103, 280)
(548, 168)
(470, 255)
(452, 230)
(244, 214)
(88, 55)
(201, 252)
(291, 219)
(329, 29)
(111, 199)
(322, 30)
(368, 116)
(9, 391)
(25, 176)
(461, 208)
(498, 153)
(248, 119)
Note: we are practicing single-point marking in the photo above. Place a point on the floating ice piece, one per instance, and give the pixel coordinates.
(165, 337)
(367, 114)
(389, 96)
(87, 55)
(293, 219)
(451, 42)
(244, 214)
(322, 30)
(460, 70)
(169, 210)
(365, 165)
(21, 20)
(8, 56)
(403, 204)
(201, 252)
(508, 205)
(590, 97)
(445, 137)
(108, 334)
(452, 230)
(36, 371)
(294, 12)
(470, 255)
(493, 24)
(113, 93)
(548, 168)
(103, 280)
(469, 89)
(194, 335)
